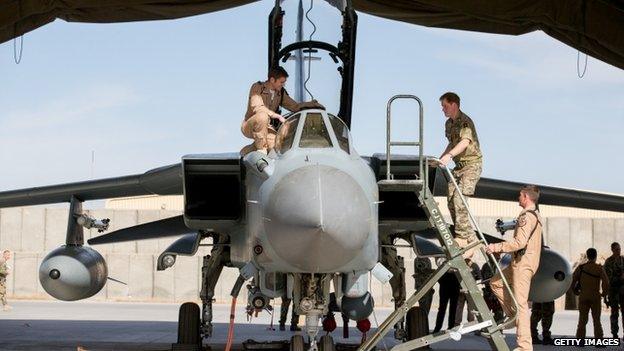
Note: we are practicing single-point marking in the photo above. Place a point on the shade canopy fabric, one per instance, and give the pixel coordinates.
(594, 27)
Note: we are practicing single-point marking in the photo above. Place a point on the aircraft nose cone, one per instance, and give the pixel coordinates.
(317, 209)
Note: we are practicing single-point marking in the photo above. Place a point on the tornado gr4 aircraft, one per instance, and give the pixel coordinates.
(305, 219)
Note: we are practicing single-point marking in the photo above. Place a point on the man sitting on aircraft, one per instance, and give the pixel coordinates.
(463, 148)
(263, 105)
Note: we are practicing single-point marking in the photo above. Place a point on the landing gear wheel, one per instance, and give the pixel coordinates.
(188, 324)
(417, 324)
(327, 343)
(296, 343)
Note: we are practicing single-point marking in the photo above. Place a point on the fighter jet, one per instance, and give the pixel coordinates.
(308, 220)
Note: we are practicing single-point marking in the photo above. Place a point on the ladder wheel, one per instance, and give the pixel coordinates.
(417, 324)
(296, 343)
(188, 324)
(327, 343)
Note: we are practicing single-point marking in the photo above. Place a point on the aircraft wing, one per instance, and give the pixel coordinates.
(404, 205)
(165, 180)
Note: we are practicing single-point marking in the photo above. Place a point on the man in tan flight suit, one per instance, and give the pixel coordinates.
(590, 275)
(464, 149)
(265, 99)
(4, 272)
(526, 248)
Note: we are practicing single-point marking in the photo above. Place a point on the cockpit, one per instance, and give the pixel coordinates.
(312, 129)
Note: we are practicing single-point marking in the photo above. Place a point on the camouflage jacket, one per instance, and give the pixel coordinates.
(614, 267)
(4, 269)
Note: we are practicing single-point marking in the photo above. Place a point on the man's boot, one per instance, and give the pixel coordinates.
(282, 327)
(536, 340)
(546, 339)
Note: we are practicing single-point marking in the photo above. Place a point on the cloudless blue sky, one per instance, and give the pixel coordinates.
(143, 94)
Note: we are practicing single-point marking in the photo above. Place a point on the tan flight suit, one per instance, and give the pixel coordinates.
(262, 105)
(520, 272)
(590, 275)
(467, 173)
(4, 271)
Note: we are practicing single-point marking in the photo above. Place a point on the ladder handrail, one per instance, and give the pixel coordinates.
(481, 238)
(420, 132)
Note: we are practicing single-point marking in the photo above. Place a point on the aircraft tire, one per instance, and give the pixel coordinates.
(417, 323)
(188, 324)
(327, 343)
(296, 343)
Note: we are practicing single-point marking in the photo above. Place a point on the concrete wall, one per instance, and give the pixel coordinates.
(32, 232)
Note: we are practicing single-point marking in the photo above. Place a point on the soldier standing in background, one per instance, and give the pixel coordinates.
(614, 267)
(488, 295)
(422, 272)
(461, 301)
(5, 270)
(294, 317)
(543, 311)
(591, 276)
(449, 293)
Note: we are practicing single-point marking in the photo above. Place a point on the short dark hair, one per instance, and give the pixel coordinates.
(591, 254)
(277, 72)
(450, 97)
(614, 244)
(532, 191)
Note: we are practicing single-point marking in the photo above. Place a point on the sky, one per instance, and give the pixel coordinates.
(141, 95)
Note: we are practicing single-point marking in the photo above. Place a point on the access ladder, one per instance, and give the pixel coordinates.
(454, 259)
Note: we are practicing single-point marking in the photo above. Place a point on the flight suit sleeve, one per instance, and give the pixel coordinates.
(526, 224)
(605, 281)
(576, 275)
(288, 103)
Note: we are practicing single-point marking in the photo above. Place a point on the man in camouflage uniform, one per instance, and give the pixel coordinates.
(464, 149)
(422, 272)
(294, 318)
(4, 272)
(543, 311)
(488, 295)
(462, 300)
(614, 267)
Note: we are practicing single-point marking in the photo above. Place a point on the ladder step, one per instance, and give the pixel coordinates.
(404, 143)
(400, 184)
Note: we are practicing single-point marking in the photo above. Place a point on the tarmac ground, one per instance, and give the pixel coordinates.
(95, 326)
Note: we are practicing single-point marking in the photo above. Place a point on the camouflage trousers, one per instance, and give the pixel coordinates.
(467, 178)
(294, 318)
(542, 311)
(3, 292)
(616, 302)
